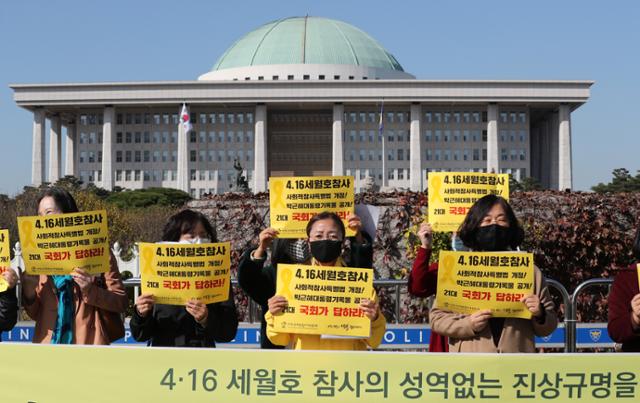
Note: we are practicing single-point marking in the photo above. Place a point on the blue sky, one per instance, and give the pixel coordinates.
(86, 41)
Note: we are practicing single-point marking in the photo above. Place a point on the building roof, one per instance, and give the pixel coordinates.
(307, 40)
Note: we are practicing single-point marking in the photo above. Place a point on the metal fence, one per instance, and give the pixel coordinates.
(570, 302)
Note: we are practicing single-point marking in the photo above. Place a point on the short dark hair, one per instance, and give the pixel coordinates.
(469, 227)
(183, 223)
(323, 216)
(63, 199)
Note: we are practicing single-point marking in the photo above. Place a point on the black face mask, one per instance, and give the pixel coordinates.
(326, 250)
(492, 238)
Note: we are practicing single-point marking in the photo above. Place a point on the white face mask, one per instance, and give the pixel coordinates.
(195, 241)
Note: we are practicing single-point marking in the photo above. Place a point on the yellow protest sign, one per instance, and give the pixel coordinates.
(293, 201)
(471, 281)
(5, 257)
(324, 300)
(207, 375)
(176, 273)
(451, 194)
(56, 244)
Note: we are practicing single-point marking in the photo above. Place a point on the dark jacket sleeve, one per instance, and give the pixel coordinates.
(423, 279)
(255, 280)
(142, 329)
(222, 322)
(8, 309)
(361, 253)
(625, 287)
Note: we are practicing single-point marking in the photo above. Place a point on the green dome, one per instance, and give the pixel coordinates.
(307, 40)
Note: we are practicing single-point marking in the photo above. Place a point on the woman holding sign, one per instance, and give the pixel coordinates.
(193, 325)
(326, 234)
(491, 226)
(78, 308)
(259, 281)
(624, 304)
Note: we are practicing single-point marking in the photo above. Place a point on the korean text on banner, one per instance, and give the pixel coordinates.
(56, 244)
(176, 273)
(294, 201)
(324, 300)
(471, 281)
(451, 194)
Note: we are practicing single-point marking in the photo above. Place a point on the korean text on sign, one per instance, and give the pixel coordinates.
(176, 273)
(471, 281)
(56, 244)
(295, 200)
(5, 257)
(451, 194)
(324, 300)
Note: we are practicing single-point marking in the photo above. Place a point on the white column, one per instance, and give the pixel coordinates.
(70, 150)
(337, 154)
(553, 130)
(183, 180)
(565, 180)
(260, 150)
(37, 148)
(107, 142)
(415, 151)
(493, 164)
(55, 148)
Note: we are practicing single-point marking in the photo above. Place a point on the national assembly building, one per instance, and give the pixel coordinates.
(301, 96)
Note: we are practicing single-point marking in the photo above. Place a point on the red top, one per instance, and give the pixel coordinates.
(423, 282)
(625, 287)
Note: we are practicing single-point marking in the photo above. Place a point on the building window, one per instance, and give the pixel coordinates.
(118, 137)
(192, 155)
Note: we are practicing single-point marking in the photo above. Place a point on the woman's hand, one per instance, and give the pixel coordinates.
(198, 310)
(10, 277)
(532, 302)
(355, 224)
(370, 308)
(144, 304)
(480, 319)
(277, 304)
(82, 278)
(425, 233)
(635, 311)
(265, 239)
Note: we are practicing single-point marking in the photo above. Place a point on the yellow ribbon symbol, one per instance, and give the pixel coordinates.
(285, 290)
(446, 267)
(147, 259)
(436, 184)
(276, 194)
(27, 229)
